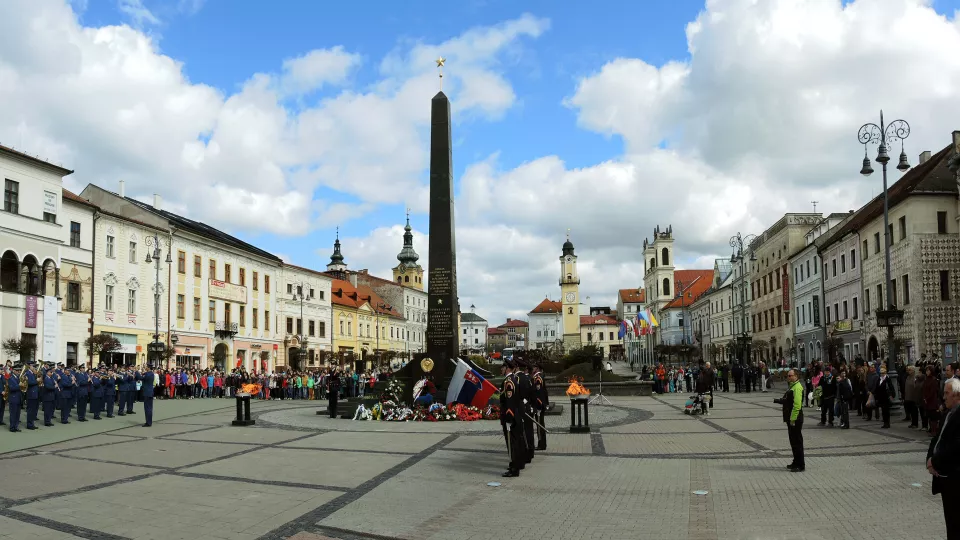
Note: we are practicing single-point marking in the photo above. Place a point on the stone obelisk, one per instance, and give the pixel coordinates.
(442, 345)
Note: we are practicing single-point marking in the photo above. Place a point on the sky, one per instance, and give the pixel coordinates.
(283, 123)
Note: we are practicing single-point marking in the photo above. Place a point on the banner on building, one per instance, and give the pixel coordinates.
(786, 289)
(222, 290)
(816, 310)
(51, 328)
(845, 325)
(31, 312)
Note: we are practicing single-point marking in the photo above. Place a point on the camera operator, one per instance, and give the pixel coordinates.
(792, 402)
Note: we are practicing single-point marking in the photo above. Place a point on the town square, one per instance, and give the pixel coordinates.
(684, 270)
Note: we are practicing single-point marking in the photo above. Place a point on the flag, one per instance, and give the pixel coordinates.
(652, 319)
(643, 317)
(636, 329)
(469, 387)
(623, 330)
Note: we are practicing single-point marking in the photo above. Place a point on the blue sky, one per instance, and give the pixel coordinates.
(223, 42)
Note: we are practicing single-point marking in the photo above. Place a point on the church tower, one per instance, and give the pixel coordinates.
(408, 273)
(570, 296)
(336, 265)
(658, 265)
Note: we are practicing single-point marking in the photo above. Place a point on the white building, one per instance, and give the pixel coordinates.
(546, 325)
(808, 295)
(630, 302)
(42, 300)
(844, 290)
(305, 315)
(473, 332)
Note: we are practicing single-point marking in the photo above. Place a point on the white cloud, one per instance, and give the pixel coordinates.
(137, 12)
(317, 68)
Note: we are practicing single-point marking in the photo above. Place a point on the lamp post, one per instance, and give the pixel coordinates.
(299, 296)
(740, 245)
(883, 134)
(153, 257)
(383, 306)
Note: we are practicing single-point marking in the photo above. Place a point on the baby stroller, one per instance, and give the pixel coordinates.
(696, 405)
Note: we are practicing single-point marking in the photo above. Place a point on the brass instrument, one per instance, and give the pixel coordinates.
(23, 380)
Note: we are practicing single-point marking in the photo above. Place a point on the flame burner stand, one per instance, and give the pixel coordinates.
(579, 414)
(243, 411)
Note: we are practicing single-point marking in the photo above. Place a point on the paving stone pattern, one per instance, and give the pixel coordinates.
(304, 476)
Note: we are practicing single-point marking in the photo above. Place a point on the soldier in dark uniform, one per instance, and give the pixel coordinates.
(110, 391)
(121, 393)
(333, 393)
(510, 420)
(83, 393)
(49, 395)
(3, 400)
(540, 406)
(66, 396)
(147, 388)
(14, 398)
(132, 377)
(737, 373)
(96, 394)
(32, 397)
(526, 399)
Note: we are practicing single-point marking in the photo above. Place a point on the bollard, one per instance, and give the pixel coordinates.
(243, 410)
(579, 414)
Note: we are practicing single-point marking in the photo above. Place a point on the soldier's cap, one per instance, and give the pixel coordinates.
(31, 362)
(18, 365)
(510, 363)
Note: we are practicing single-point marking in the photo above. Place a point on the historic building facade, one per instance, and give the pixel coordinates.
(546, 325)
(473, 333)
(304, 310)
(570, 297)
(601, 331)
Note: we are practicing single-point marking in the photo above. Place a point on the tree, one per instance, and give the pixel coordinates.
(19, 349)
(102, 343)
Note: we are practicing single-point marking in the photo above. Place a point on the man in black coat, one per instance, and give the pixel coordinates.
(828, 387)
(510, 413)
(943, 460)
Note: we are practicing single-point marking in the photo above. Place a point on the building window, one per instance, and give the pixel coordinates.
(289, 288)
(181, 262)
(843, 263)
(289, 325)
(73, 296)
(906, 289)
(243, 316)
(666, 286)
(255, 317)
(213, 269)
(256, 284)
(109, 247)
(49, 218)
(866, 302)
(131, 301)
(864, 251)
(903, 227)
(108, 298)
(856, 309)
(853, 259)
(227, 274)
(74, 234)
(941, 223)
(876, 242)
(212, 311)
(196, 265)
(944, 285)
(890, 234)
(227, 313)
(11, 197)
(133, 252)
(266, 284)
(846, 313)
(181, 308)
(266, 321)
(834, 264)
(312, 295)
(311, 327)
(880, 297)
(196, 308)
(243, 277)
(321, 329)
(341, 328)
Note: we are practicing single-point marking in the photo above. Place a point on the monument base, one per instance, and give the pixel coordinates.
(441, 372)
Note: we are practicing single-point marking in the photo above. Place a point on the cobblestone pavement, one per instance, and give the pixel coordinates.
(640, 474)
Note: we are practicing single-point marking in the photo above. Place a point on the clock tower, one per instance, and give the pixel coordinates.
(570, 296)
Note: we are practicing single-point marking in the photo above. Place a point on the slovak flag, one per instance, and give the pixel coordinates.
(469, 387)
(623, 330)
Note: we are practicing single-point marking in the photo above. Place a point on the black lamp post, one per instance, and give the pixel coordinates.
(153, 257)
(870, 133)
(383, 306)
(740, 245)
(299, 296)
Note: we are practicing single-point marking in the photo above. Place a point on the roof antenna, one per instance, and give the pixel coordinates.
(815, 206)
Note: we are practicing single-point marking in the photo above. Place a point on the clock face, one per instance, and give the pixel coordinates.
(569, 259)
(571, 297)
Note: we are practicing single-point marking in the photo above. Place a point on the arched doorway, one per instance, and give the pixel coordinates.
(293, 358)
(220, 355)
(873, 348)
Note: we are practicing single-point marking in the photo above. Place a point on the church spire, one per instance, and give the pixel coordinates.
(336, 260)
(407, 256)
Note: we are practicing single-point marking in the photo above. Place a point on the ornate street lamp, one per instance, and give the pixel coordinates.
(740, 245)
(870, 133)
(299, 296)
(153, 257)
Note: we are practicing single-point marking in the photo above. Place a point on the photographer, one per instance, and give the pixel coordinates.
(792, 402)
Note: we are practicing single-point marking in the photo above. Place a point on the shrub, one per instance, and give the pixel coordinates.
(586, 373)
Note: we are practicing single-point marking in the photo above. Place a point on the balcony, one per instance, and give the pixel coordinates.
(225, 329)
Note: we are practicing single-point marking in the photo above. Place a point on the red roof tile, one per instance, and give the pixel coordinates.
(594, 320)
(495, 331)
(548, 306)
(693, 283)
(633, 296)
(514, 323)
(367, 294)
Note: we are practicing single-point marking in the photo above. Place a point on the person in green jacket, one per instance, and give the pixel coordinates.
(792, 403)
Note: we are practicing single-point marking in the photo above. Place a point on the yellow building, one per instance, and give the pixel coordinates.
(570, 292)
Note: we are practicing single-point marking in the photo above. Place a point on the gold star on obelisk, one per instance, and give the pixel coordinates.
(440, 62)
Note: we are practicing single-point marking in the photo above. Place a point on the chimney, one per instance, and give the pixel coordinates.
(353, 279)
(123, 192)
(508, 319)
(157, 201)
(925, 155)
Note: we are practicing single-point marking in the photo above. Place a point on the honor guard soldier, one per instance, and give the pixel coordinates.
(540, 406)
(333, 393)
(510, 420)
(147, 386)
(66, 395)
(121, 393)
(14, 398)
(527, 397)
(49, 395)
(33, 395)
(82, 389)
(110, 391)
(96, 394)
(132, 377)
